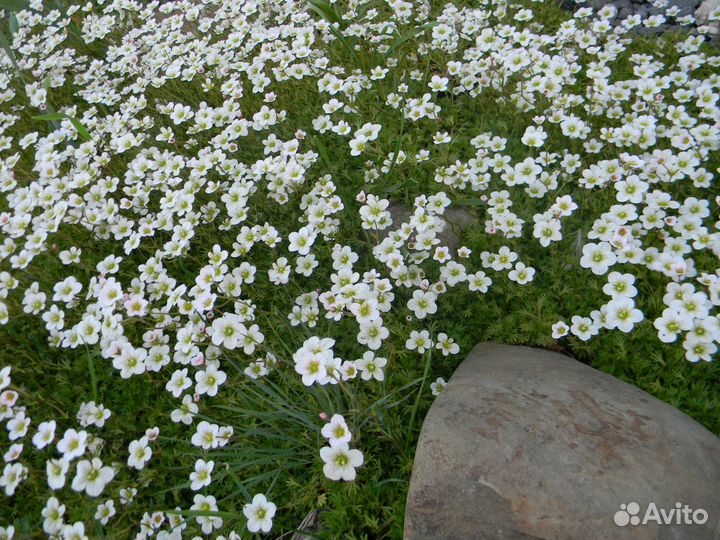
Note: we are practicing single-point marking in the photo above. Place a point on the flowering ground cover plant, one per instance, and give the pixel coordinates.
(212, 322)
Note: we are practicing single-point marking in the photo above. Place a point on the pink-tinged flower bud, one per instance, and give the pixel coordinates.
(198, 360)
(324, 416)
(9, 397)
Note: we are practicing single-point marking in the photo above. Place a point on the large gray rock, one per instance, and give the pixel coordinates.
(528, 443)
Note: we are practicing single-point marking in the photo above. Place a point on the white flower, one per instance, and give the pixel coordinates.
(76, 531)
(302, 240)
(127, 495)
(206, 435)
(259, 514)
(422, 303)
(357, 145)
(188, 409)
(92, 476)
(56, 470)
(521, 274)
(336, 430)
(105, 511)
(453, 273)
(479, 282)
(597, 257)
(622, 314)
(547, 230)
(419, 341)
(255, 370)
(312, 360)
(201, 477)
(12, 475)
(620, 286)
(179, 382)
(131, 361)
(438, 386)
(446, 345)
(73, 444)
(372, 334)
(140, 453)
(340, 461)
(18, 426)
(371, 367)
(53, 514)
(226, 330)
(93, 414)
(534, 136)
(13, 453)
(583, 327)
(5, 377)
(504, 260)
(699, 350)
(45, 434)
(560, 329)
(206, 503)
(279, 274)
(305, 265)
(369, 131)
(209, 380)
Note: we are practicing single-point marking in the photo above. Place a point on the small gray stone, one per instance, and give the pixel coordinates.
(456, 221)
(310, 525)
(528, 443)
(703, 13)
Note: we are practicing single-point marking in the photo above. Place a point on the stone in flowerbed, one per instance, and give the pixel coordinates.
(456, 220)
(704, 15)
(527, 443)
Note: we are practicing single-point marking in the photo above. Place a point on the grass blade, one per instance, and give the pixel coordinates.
(82, 130)
(412, 34)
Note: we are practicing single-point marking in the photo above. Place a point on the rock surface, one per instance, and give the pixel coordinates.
(456, 221)
(527, 443)
(702, 14)
(645, 9)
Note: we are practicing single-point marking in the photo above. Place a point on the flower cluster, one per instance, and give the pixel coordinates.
(340, 460)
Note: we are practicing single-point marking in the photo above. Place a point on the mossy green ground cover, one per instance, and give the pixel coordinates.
(276, 420)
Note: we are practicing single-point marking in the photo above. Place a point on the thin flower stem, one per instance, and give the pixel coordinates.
(426, 371)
